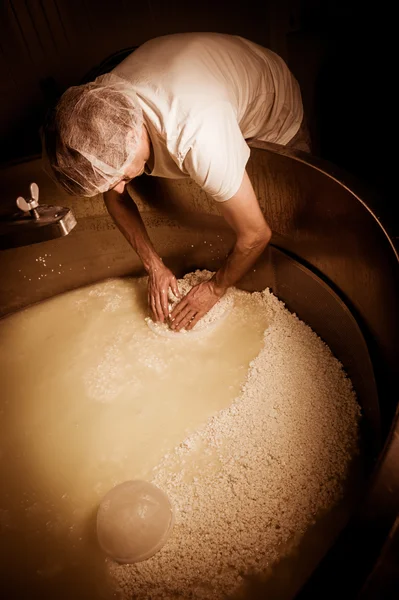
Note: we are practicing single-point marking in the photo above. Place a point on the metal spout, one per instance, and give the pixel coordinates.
(34, 223)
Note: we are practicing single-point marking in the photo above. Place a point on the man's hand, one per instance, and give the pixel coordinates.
(160, 279)
(242, 212)
(195, 305)
(123, 210)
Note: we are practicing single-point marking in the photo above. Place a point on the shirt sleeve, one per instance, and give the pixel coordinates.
(218, 154)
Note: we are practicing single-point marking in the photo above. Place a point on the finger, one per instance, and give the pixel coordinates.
(194, 321)
(184, 323)
(153, 309)
(151, 303)
(164, 303)
(158, 308)
(183, 304)
(174, 288)
(182, 318)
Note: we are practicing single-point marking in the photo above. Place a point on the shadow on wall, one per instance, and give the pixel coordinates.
(48, 46)
(353, 95)
(339, 52)
(341, 57)
(31, 123)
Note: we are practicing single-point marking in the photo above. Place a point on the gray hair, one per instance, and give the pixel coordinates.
(92, 135)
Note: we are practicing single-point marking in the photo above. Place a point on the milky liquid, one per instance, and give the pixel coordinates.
(91, 397)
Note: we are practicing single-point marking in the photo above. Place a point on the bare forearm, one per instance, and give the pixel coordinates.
(127, 218)
(244, 215)
(203, 296)
(240, 260)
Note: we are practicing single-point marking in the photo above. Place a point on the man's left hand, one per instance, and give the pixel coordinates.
(194, 305)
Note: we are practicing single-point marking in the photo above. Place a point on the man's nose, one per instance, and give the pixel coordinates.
(120, 187)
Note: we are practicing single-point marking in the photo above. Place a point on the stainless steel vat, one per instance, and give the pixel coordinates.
(332, 261)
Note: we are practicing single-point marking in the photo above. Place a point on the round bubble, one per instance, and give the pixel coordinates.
(134, 520)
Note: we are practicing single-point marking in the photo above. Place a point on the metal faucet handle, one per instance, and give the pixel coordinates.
(33, 202)
(34, 191)
(33, 224)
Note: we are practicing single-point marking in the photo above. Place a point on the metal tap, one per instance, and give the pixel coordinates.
(30, 205)
(34, 223)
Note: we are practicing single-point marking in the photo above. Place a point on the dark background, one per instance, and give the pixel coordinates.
(338, 50)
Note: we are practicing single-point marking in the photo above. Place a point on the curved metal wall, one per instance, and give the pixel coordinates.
(316, 218)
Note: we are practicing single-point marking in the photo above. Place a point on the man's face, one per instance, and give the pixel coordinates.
(137, 165)
(131, 172)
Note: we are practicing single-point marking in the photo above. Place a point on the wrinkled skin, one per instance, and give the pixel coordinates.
(160, 279)
(199, 300)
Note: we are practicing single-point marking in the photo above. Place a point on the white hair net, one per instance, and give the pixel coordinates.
(93, 135)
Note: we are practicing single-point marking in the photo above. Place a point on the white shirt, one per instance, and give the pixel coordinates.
(203, 95)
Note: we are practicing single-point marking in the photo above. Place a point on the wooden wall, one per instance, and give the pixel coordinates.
(47, 45)
(339, 50)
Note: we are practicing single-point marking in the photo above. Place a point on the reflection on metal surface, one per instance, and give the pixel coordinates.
(34, 223)
(319, 306)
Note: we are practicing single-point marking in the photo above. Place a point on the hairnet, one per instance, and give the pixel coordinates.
(92, 135)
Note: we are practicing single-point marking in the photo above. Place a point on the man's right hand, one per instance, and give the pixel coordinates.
(124, 211)
(160, 279)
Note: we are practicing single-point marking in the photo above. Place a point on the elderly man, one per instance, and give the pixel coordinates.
(181, 105)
